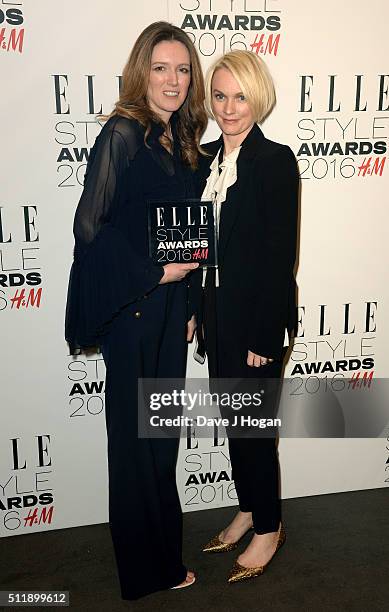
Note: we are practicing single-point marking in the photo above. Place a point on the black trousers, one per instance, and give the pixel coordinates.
(146, 340)
(255, 470)
(254, 460)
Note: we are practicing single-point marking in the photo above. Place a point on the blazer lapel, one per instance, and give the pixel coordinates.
(236, 194)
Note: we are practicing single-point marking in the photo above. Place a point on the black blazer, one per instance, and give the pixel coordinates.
(257, 246)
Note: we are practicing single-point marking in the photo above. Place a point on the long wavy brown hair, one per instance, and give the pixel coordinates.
(132, 103)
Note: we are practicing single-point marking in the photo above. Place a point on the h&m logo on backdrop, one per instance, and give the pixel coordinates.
(218, 26)
(11, 20)
(26, 487)
(343, 135)
(19, 265)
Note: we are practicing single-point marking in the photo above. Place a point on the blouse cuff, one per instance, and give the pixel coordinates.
(110, 276)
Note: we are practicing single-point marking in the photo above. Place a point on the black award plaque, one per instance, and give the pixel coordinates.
(182, 231)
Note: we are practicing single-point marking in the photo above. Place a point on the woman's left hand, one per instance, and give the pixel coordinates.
(257, 360)
(191, 328)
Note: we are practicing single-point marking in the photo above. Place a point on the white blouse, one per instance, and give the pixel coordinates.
(216, 190)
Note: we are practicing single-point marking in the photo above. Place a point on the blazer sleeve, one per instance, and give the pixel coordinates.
(106, 274)
(280, 181)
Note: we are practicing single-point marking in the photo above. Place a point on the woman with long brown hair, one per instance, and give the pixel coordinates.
(136, 311)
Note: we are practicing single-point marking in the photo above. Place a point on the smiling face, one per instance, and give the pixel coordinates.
(230, 107)
(169, 78)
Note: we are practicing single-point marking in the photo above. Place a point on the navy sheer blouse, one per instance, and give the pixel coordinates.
(111, 266)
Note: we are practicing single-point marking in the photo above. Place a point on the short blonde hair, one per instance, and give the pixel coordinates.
(253, 77)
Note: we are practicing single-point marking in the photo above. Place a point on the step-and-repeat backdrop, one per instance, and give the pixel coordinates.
(60, 66)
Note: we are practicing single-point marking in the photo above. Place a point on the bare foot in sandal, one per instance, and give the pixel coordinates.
(190, 579)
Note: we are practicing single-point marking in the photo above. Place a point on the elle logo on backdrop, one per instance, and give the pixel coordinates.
(335, 340)
(336, 129)
(76, 132)
(19, 264)
(26, 487)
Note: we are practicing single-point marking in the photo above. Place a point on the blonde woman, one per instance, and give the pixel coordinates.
(136, 311)
(249, 301)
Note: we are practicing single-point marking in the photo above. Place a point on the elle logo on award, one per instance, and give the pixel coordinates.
(182, 232)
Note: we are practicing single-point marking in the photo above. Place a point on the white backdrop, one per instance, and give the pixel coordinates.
(60, 64)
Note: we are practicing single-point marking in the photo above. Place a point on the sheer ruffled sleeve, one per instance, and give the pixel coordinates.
(107, 274)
